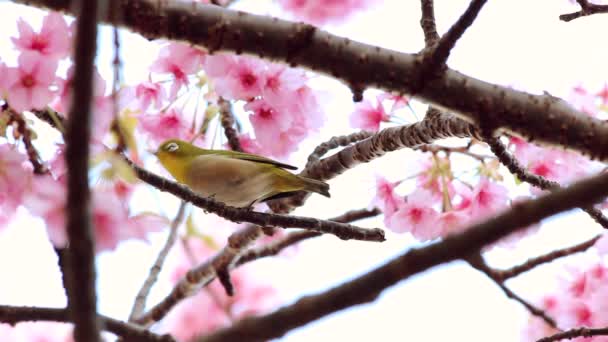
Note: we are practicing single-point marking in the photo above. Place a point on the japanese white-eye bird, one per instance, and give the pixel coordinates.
(234, 178)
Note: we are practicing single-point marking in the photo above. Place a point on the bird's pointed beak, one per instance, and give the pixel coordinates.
(151, 151)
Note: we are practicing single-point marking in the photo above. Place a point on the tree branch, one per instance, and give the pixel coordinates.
(543, 259)
(587, 9)
(142, 295)
(227, 121)
(500, 150)
(578, 332)
(130, 332)
(435, 125)
(367, 287)
(427, 23)
(543, 118)
(275, 247)
(477, 262)
(230, 257)
(341, 230)
(82, 300)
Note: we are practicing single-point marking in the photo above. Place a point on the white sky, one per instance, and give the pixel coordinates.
(515, 42)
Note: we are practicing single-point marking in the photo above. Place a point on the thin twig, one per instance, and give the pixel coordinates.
(82, 300)
(513, 165)
(275, 247)
(574, 333)
(587, 9)
(230, 257)
(477, 262)
(427, 23)
(198, 277)
(441, 51)
(130, 332)
(26, 137)
(367, 287)
(543, 259)
(142, 295)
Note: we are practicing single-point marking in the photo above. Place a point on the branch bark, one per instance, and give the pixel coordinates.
(130, 332)
(544, 118)
(82, 300)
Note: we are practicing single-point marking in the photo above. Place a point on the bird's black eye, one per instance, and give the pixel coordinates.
(171, 147)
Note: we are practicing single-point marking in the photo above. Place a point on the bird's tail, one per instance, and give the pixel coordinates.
(316, 186)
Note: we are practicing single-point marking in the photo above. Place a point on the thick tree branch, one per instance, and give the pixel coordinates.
(543, 118)
(142, 295)
(435, 125)
(341, 230)
(587, 8)
(500, 150)
(130, 332)
(82, 300)
(333, 143)
(477, 262)
(367, 287)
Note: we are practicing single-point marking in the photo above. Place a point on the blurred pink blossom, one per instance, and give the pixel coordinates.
(179, 60)
(28, 85)
(14, 181)
(324, 11)
(368, 115)
(165, 125)
(53, 40)
(417, 216)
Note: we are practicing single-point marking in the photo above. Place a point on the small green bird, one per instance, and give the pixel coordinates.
(234, 178)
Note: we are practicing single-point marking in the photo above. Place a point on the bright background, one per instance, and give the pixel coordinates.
(518, 43)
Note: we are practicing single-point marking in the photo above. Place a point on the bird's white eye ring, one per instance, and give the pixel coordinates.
(171, 147)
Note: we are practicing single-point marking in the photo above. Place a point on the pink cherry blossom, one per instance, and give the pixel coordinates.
(14, 181)
(267, 121)
(165, 125)
(236, 77)
(179, 60)
(28, 84)
(281, 82)
(485, 200)
(435, 176)
(323, 11)
(102, 104)
(53, 40)
(150, 93)
(603, 94)
(417, 217)
(251, 145)
(398, 101)
(110, 214)
(583, 100)
(386, 198)
(453, 222)
(368, 115)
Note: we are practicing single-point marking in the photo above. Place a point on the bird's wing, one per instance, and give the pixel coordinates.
(253, 158)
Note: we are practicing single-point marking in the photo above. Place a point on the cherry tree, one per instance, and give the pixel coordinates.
(252, 79)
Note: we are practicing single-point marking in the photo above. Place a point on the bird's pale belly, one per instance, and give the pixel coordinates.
(237, 183)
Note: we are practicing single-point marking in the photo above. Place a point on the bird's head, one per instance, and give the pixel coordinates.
(175, 155)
